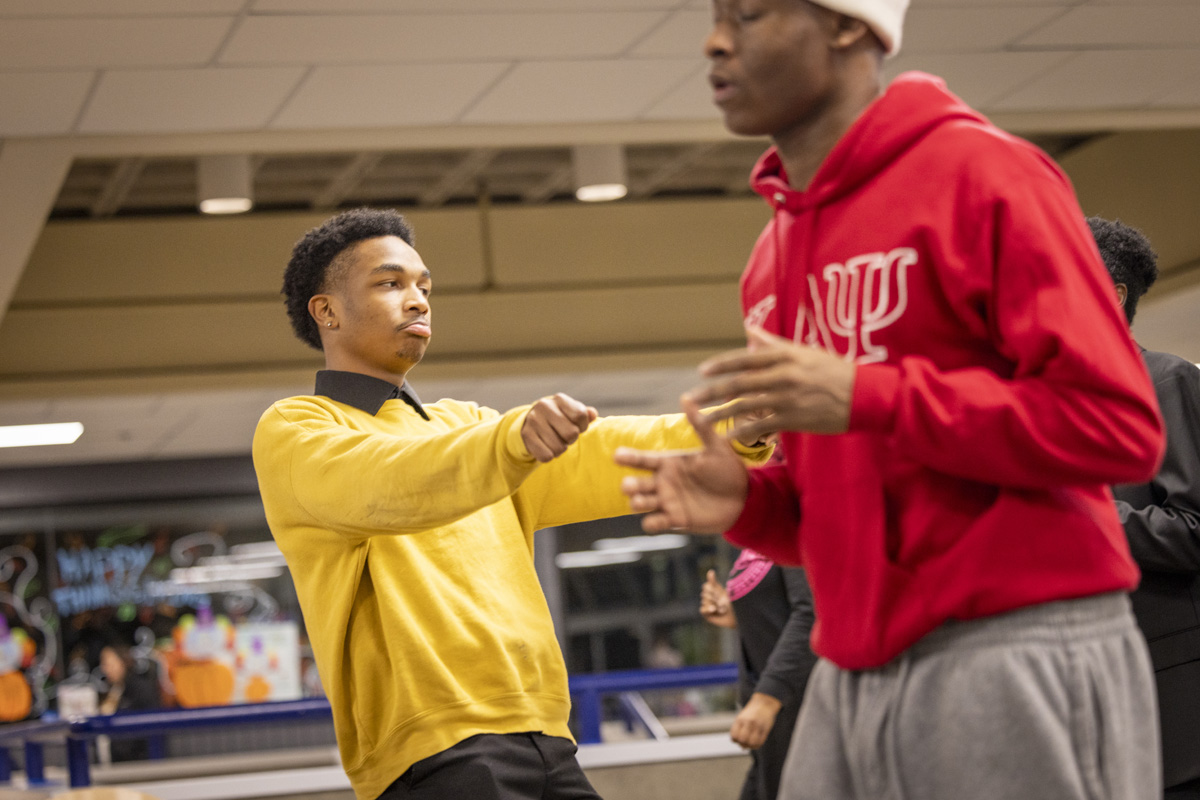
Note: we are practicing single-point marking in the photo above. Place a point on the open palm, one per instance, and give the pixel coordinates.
(702, 491)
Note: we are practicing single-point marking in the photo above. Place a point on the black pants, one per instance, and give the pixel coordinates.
(497, 766)
(1184, 791)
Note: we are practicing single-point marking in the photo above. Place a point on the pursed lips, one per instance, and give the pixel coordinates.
(417, 327)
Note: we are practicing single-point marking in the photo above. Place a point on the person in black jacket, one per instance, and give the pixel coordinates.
(1162, 522)
(129, 689)
(772, 609)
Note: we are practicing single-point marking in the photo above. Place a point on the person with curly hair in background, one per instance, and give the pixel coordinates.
(1162, 522)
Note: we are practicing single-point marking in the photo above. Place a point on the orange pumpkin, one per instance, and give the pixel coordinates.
(257, 690)
(203, 683)
(15, 698)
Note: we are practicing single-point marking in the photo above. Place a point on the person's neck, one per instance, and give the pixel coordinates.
(805, 146)
(339, 363)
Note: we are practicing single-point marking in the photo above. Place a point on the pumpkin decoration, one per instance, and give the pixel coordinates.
(200, 678)
(16, 651)
(255, 664)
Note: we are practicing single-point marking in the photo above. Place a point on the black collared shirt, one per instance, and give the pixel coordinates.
(364, 392)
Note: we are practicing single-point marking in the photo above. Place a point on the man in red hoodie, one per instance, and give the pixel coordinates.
(932, 330)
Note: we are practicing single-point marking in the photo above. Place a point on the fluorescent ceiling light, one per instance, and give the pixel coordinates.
(214, 573)
(593, 558)
(255, 553)
(35, 435)
(642, 544)
(253, 549)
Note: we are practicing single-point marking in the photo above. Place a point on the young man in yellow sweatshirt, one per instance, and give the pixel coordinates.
(409, 528)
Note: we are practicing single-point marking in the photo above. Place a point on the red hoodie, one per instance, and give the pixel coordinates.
(997, 393)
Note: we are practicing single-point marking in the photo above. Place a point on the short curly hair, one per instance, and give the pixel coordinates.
(316, 266)
(1129, 257)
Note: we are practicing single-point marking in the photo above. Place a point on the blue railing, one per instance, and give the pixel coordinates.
(587, 691)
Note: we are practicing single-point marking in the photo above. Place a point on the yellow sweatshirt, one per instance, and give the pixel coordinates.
(410, 542)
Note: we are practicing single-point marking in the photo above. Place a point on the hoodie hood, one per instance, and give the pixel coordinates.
(913, 105)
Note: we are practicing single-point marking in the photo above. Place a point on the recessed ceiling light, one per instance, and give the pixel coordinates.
(36, 435)
(599, 172)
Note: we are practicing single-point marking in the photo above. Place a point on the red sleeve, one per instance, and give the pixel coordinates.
(1078, 406)
(770, 520)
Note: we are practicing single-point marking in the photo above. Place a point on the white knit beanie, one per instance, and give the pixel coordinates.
(885, 17)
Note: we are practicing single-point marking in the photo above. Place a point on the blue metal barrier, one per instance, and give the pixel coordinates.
(32, 736)
(588, 692)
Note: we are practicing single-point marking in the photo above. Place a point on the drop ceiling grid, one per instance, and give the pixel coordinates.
(41, 103)
(458, 6)
(1112, 79)
(971, 30)
(387, 95)
(14, 9)
(980, 79)
(110, 42)
(578, 91)
(177, 101)
(440, 38)
(1145, 24)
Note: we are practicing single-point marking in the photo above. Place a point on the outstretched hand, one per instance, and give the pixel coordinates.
(789, 387)
(701, 491)
(553, 424)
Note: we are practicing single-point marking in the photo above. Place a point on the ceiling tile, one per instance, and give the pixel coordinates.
(1141, 25)
(116, 8)
(959, 30)
(434, 37)
(1106, 80)
(682, 35)
(41, 103)
(579, 91)
(448, 6)
(111, 42)
(416, 94)
(979, 78)
(187, 100)
(691, 99)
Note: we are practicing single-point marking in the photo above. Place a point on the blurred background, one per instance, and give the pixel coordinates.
(159, 328)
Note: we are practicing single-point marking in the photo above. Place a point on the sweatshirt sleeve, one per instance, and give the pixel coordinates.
(1164, 536)
(1068, 400)
(770, 520)
(361, 483)
(792, 659)
(584, 483)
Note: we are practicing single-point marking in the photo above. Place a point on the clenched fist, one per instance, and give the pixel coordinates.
(553, 424)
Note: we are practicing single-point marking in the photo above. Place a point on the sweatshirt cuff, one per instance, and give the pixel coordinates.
(513, 440)
(873, 403)
(779, 689)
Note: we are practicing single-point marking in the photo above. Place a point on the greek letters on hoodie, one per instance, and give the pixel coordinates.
(997, 391)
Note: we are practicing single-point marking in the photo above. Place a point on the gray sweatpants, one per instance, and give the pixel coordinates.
(1052, 702)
